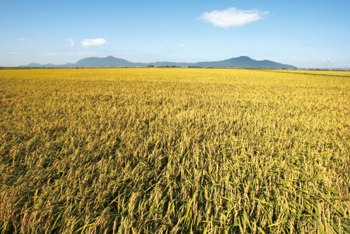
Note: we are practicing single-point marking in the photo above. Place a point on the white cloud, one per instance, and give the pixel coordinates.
(94, 42)
(13, 52)
(84, 53)
(232, 17)
(71, 41)
(182, 45)
(70, 53)
(32, 41)
(325, 61)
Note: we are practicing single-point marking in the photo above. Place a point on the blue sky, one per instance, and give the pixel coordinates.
(307, 34)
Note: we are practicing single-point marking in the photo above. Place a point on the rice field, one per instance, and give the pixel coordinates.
(153, 150)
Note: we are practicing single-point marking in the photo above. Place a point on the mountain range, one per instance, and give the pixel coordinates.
(110, 61)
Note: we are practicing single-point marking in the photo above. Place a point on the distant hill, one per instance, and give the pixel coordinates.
(110, 61)
(245, 62)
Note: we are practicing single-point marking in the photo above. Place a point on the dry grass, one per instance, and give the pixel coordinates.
(173, 151)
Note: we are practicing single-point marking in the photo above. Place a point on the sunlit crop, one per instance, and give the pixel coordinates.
(152, 150)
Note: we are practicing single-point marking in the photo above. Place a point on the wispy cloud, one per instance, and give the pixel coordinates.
(170, 48)
(71, 41)
(232, 17)
(29, 40)
(13, 52)
(84, 53)
(70, 53)
(325, 61)
(182, 45)
(94, 42)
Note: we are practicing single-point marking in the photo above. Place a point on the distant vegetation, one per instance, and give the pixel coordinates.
(174, 150)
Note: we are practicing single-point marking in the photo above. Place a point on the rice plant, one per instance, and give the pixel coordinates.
(147, 150)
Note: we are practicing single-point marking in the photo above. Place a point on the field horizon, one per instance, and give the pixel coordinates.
(110, 61)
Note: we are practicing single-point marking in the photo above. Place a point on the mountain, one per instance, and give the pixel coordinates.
(110, 61)
(245, 62)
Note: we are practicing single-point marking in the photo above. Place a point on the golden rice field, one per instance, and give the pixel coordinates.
(320, 72)
(151, 150)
